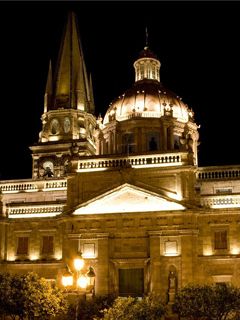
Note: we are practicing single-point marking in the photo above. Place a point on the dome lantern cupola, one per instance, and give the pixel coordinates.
(147, 66)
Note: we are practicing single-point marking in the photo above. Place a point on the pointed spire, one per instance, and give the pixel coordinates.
(91, 96)
(48, 90)
(71, 82)
(146, 37)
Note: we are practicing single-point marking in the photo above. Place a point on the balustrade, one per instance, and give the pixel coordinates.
(226, 201)
(134, 161)
(13, 187)
(224, 173)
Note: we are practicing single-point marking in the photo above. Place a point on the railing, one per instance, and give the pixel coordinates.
(139, 115)
(12, 187)
(32, 186)
(60, 184)
(211, 173)
(15, 211)
(153, 160)
(228, 201)
(143, 115)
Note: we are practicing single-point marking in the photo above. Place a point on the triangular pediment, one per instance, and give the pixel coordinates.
(128, 198)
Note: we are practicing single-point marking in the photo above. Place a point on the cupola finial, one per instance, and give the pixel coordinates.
(146, 37)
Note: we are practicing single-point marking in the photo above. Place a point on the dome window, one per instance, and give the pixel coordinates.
(176, 142)
(128, 145)
(152, 141)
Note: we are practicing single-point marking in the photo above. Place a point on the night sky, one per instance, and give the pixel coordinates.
(198, 44)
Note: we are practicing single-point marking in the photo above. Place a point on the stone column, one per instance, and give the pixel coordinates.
(3, 235)
(139, 147)
(164, 138)
(114, 142)
(170, 138)
(58, 170)
(35, 165)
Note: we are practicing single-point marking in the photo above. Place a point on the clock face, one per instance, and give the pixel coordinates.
(55, 126)
(67, 125)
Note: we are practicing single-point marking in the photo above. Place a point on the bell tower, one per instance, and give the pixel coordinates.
(68, 122)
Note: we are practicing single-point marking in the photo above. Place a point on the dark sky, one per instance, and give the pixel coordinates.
(196, 42)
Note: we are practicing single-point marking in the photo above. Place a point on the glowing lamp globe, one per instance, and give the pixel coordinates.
(82, 282)
(78, 263)
(67, 279)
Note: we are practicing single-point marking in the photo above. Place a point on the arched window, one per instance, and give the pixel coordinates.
(152, 141)
(128, 145)
(176, 142)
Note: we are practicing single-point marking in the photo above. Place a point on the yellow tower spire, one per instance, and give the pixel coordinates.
(71, 81)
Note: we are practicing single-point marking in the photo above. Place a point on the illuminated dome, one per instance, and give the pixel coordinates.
(148, 117)
(148, 98)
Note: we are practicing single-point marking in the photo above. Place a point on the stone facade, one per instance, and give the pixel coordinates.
(125, 190)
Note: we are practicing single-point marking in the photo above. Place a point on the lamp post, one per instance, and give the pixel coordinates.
(80, 279)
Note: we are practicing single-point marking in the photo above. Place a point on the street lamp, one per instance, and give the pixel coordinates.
(91, 280)
(67, 278)
(82, 279)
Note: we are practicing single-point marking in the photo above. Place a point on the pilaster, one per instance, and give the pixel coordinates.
(102, 274)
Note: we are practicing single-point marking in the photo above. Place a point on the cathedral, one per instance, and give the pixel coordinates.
(124, 189)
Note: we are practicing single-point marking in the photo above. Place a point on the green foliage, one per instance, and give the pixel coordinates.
(148, 308)
(215, 302)
(122, 309)
(88, 309)
(29, 296)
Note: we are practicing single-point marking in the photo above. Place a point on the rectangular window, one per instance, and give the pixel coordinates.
(89, 250)
(47, 245)
(22, 245)
(220, 239)
(131, 282)
(170, 248)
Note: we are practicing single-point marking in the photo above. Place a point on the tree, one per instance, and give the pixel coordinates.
(215, 302)
(5, 294)
(148, 308)
(122, 309)
(29, 296)
(90, 308)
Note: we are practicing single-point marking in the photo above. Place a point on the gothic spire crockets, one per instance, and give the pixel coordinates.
(70, 82)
